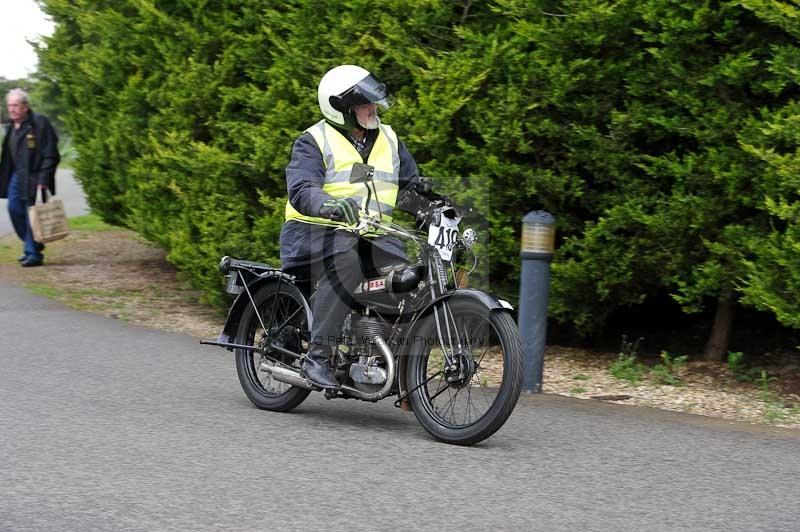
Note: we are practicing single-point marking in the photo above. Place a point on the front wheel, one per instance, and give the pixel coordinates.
(280, 318)
(465, 374)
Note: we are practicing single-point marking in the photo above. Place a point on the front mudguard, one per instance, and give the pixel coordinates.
(491, 302)
(272, 277)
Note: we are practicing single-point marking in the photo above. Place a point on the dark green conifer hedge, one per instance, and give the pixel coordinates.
(663, 134)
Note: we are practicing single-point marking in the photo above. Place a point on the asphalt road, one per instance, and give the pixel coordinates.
(68, 190)
(106, 426)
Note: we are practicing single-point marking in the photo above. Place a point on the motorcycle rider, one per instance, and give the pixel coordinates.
(322, 199)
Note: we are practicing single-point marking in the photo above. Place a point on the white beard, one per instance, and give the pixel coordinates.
(373, 123)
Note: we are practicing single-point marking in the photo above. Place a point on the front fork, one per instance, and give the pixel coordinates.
(450, 340)
(449, 336)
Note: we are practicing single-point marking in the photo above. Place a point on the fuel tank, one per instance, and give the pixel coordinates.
(387, 290)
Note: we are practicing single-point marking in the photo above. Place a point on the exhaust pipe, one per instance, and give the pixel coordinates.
(285, 375)
(294, 378)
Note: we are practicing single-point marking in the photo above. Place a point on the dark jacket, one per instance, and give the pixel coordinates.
(37, 144)
(304, 243)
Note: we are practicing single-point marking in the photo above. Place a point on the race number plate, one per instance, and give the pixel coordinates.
(444, 236)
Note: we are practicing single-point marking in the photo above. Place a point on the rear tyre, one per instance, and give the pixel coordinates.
(468, 398)
(285, 317)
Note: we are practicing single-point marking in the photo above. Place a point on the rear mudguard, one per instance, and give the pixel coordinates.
(266, 279)
(490, 301)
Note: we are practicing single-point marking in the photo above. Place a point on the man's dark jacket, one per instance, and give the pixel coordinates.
(37, 143)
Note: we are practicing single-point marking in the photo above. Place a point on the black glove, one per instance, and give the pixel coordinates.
(424, 186)
(424, 189)
(340, 210)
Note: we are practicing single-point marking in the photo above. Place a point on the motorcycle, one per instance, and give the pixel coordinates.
(449, 353)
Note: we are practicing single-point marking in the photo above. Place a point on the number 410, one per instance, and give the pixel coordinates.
(446, 237)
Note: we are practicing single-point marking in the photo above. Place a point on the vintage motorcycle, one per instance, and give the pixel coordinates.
(451, 354)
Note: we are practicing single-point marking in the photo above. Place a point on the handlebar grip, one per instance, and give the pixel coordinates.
(423, 187)
(340, 210)
(331, 212)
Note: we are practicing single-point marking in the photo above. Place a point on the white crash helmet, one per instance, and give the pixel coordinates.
(346, 86)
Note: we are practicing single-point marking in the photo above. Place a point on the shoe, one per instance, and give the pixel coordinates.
(316, 367)
(29, 262)
(22, 258)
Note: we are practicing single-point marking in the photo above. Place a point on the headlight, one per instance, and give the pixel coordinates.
(469, 236)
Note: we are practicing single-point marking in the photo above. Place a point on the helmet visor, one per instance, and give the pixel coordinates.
(368, 90)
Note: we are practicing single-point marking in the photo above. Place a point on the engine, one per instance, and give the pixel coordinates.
(366, 367)
(363, 329)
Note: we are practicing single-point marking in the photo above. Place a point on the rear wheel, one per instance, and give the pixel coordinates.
(465, 385)
(281, 319)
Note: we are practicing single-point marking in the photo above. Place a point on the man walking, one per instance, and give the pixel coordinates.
(27, 165)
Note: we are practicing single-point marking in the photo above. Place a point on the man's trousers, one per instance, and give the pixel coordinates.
(18, 211)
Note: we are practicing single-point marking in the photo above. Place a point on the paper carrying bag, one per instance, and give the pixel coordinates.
(48, 220)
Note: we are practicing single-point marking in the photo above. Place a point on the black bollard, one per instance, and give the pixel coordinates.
(538, 245)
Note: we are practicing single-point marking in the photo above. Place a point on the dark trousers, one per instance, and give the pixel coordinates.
(338, 277)
(18, 211)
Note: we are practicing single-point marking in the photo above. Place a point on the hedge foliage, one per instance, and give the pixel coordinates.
(663, 134)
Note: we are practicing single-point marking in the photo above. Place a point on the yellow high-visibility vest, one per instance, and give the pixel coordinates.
(339, 155)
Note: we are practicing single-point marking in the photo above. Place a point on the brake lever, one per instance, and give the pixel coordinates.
(363, 223)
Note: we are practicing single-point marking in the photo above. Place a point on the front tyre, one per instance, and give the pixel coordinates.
(281, 319)
(466, 384)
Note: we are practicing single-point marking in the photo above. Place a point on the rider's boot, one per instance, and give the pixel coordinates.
(317, 367)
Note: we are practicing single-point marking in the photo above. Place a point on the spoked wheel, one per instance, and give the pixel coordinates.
(465, 386)
(282, 320)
